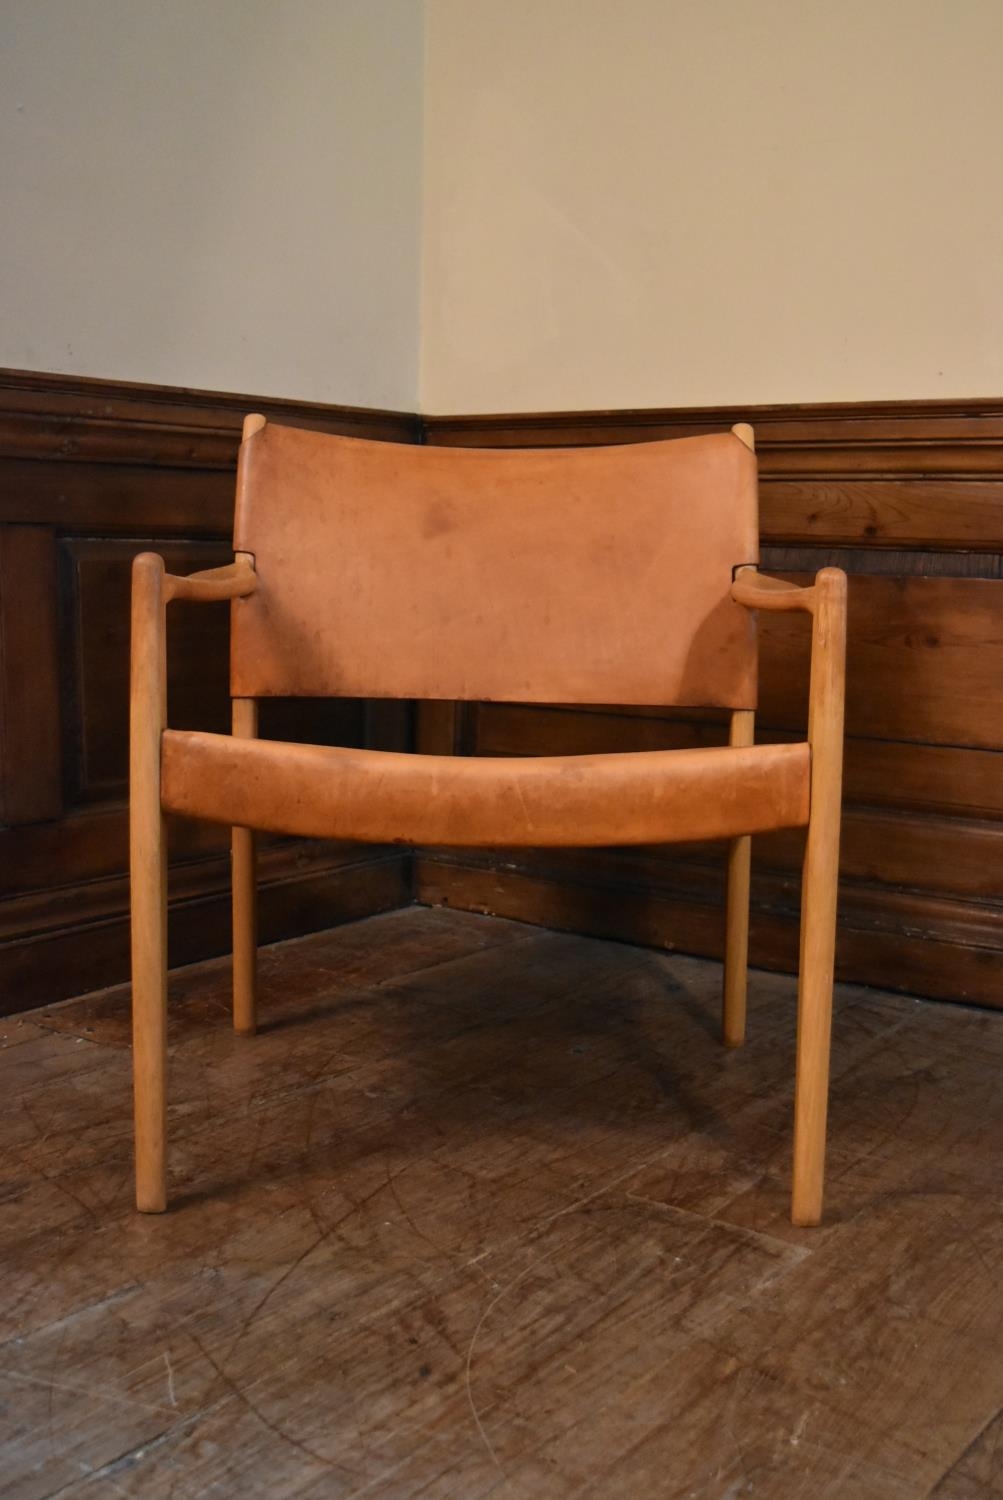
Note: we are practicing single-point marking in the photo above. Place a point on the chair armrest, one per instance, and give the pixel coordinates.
(825, 601)
(152, 589)
(760, 591)
(233, 581)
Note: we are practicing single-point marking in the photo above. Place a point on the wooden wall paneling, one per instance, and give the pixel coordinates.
(92, 472)
(884, 512)
(925, 662)
(920, 945)
(124, 499)
(61, 417)
(30, 774)
(909, 499)
(95, 592)
(906, 776)
(302, 889)
(915, 438)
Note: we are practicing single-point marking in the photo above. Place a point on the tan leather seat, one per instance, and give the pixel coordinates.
(654, 796)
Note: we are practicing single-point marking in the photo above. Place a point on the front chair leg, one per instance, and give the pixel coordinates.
(149, 1006)
(819, 892)
(811, 1086)
(148, 870)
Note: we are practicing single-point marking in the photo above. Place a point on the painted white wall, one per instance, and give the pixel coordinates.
(684, 202)
(640, 203)
(214, 193)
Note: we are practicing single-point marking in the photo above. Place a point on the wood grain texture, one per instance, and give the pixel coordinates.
(30, 770)
(91, 473)
(858, 440)
(489, 1212)
(952, 946)
(915, 488)
(71, 417)
(908, 499)
(925, 662)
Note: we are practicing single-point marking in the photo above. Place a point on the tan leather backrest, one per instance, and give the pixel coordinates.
(574, 575)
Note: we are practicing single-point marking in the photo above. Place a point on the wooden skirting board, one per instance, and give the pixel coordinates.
(907, 497)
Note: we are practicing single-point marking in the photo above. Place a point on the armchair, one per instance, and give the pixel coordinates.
(619, 574)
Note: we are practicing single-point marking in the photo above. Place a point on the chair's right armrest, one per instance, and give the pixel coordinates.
(760, 591)
(152, 590)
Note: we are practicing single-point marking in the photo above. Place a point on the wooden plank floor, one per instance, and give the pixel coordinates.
(486, 1210)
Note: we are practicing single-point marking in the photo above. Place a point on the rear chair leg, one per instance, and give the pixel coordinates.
(736, 946)
(736, 943)
(245, 896)
(819, 895)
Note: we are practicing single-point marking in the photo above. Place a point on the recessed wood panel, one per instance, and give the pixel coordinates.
(96, 595)
(924, 662)
(884, 512)
(29, 681)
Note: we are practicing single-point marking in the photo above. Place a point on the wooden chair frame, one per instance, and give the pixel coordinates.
(154, 588)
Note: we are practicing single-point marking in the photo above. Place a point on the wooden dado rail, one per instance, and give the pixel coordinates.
(908, 498)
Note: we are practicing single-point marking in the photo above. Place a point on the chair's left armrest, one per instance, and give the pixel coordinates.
(233, 581)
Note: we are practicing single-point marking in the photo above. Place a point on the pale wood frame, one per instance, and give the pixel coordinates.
(825, 601)
(153, 588)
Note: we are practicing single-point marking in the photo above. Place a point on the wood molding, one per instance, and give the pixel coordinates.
(878, 438)
(870, 473)
(946, 950)
(63, 942)
(71, 418)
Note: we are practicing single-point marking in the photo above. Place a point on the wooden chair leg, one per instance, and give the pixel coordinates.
(245, 897)
(148, 868)
(736, 945)
(811, 1088)
(819, 893)
(149, 1014)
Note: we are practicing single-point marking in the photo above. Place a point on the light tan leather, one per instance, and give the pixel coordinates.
(378, 796)
(589, 575)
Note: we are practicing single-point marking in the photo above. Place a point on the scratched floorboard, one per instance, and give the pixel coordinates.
(487, 1211)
